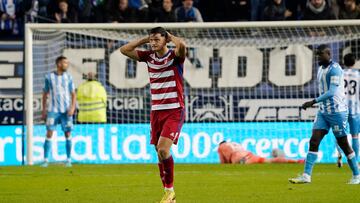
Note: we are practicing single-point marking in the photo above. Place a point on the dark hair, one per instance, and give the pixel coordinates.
(222, 142)
(158, 30)
(60, 58)
(321, 48)
(61, 1)
(349, 59)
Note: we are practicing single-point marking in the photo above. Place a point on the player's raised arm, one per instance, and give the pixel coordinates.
(180, 46)
(129, 49)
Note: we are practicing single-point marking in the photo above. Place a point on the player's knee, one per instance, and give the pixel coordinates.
(344, 145)
(49, 134)
(163, 152)
(314, 145)
(67, 135)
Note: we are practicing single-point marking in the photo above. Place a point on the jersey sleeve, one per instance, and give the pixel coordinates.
(46, 87)
(335, 76)
(143, 55)
(71, 85)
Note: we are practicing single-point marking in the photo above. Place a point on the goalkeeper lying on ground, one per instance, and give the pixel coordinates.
(231, 152)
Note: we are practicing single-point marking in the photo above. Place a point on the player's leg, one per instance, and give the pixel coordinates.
(171, 125)
(320, 129)
(163, 148)
(161, 169)
(339, 125)
(351, 159)
(68, 146)
(339, 156)
(51, 121)
(47, 147)
(355, 144)
(279, 160)
(354, 123)
(155, 135)
(317, 136)
(67, 126)
(253, 159)
(311, 157)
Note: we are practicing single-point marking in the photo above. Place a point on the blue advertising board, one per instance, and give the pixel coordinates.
(129, 143)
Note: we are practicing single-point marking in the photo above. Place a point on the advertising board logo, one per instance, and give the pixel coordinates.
(212, 108)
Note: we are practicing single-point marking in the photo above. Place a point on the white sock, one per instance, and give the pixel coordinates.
(169, 189)
(306, 175)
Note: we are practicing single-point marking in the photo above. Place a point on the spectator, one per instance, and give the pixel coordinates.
(91, 11)
(64, 13)
(165, 13)
(237, 10)
(296, 7)
(120, 12)
(212, 11)
(8, 22)
(188, 13)
(350, 10)
(276, 11)
(256, 9)
(318, 10)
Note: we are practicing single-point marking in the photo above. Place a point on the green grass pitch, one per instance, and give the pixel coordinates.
(193, 183)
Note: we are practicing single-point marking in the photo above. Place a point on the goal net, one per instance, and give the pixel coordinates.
(244, 82)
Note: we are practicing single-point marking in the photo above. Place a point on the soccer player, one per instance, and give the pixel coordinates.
(333, 113)
(165, 68)
(59, 87)
(231, 152)
(352, 82)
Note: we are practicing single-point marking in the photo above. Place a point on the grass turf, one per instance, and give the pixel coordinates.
(193, 183)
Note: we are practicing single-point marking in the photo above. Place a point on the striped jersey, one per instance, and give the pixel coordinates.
(59, 88)
(332, 74)
(166, 79)
(352, 82)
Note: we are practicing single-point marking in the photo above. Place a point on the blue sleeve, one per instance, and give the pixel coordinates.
(46, 88)
(327, 94)
(71, 85)
(335, 77)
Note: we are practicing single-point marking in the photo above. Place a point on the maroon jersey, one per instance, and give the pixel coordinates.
(166, 79)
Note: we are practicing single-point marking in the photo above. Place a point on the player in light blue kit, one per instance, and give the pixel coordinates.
(352, 92)
(333, 113)
(59, 87)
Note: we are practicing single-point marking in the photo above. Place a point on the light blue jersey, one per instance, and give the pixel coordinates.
(332, 75)
(60, 88)
(352, 82)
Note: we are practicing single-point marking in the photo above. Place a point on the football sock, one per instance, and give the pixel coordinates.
(309, 162)
(47, 148)
(68, 148)
(353, 164)
(355, 146)
(169, 172)
(162, 174)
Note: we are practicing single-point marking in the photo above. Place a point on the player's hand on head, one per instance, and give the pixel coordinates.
(168, 38)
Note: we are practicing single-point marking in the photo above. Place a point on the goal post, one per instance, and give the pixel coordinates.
(245, 82)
